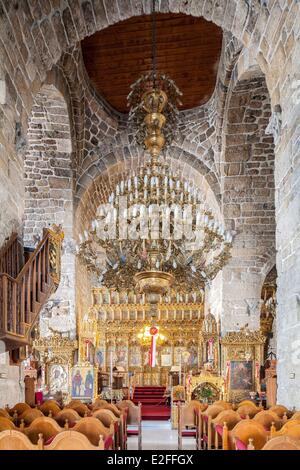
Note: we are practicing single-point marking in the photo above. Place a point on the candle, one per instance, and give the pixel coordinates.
(180, 369)
(111, 371)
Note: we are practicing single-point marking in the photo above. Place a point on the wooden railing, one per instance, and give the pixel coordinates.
(22, 298)
(11, 256)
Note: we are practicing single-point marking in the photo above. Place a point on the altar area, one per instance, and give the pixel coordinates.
(111, 356)
(115, 334)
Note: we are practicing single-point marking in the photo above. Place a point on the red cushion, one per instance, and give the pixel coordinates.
(190, 433)
(132, 432)
(49, 440)
(205, 418)
(219, 429)
(108, 442)
(240, 445)
(39, 398)
(205, 438)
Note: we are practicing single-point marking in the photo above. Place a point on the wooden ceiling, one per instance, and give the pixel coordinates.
(188, 50)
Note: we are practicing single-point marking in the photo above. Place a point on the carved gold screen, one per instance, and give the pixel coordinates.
(115, 320)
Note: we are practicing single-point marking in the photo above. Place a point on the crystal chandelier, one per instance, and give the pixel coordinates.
(155, 222)
(155, 230)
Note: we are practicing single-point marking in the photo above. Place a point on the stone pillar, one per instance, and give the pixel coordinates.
(241, 297)
(287, 178)
(11, 381)
(49, 197)
(248, 201)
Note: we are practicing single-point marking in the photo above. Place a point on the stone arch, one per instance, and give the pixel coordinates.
(101, 176)
(48, 181)
(47, 164)
(48, 29)
(248, 201)
(59, 27)
(96, 122)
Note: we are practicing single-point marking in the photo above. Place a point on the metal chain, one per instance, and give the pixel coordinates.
(154, 59)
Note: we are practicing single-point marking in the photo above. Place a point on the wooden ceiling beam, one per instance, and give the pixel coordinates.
(188, 50)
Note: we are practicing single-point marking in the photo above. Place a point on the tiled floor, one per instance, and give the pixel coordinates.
(158, 435)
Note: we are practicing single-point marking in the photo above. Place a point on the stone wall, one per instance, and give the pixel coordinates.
(287, 178)
(12, 387)
(49, 197)
(47, 166)
(248, 200)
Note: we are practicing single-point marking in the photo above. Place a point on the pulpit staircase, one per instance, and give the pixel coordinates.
(26, 282)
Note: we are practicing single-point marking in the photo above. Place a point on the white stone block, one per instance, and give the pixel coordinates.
(64, 145)
(2, 92)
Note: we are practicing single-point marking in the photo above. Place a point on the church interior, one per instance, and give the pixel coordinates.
(149, 225)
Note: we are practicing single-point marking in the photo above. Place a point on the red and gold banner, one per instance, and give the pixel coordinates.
(152, 353)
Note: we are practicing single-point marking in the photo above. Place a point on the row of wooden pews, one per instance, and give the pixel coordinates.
(238, 427)
(97, 426)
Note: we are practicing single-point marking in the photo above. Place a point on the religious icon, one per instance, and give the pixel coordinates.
(82, 382)
(99, 356)
(193, 358)
(76, 384)
(58, 378)
(135, 356)
(121, 355)
(166, 360)
(89, 383)
(177, 355)
(210, 350)
(241, 375)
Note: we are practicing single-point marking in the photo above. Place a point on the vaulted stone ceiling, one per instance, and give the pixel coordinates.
(188, 50)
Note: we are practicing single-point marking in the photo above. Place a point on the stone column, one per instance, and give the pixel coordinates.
(287, 179)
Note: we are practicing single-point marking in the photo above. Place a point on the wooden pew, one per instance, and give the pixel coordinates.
(246, 429)
(50, 407)
(28, 416)
(189, 416)
(92, 428)
(67, 415)
(134, 418)
(229, 418)
(73, 440)
(81, 408)
(66, 440)
(16, 440)
(282, 443)
(207, 429)
(109, 420)
(7, 424)
(45, 426)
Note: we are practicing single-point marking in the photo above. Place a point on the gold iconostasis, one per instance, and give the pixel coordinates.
(114, 336)
(115, 333)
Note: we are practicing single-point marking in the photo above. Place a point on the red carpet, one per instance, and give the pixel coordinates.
(153, 403)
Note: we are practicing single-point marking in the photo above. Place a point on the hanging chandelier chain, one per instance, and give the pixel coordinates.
(154, 43)
(166, 236)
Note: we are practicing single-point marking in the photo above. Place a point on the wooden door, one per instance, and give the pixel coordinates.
(29, 390)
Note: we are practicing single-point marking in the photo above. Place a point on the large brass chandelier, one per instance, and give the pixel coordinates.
(155, 222)
(155, 230)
